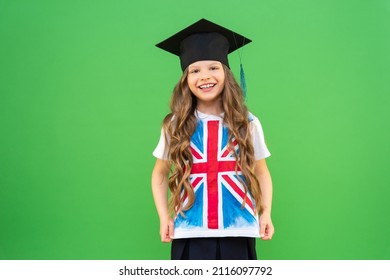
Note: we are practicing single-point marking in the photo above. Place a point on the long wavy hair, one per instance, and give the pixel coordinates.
(181, 123)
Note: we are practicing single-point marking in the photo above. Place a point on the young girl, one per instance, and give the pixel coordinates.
(211, 155)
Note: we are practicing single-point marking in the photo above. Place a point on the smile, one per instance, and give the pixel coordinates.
(206, 86)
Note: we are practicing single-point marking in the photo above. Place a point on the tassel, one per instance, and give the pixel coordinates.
(242, 80)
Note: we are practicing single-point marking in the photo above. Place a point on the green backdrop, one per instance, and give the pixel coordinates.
(83, 92)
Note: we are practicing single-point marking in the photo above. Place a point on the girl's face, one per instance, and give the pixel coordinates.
(206, 80)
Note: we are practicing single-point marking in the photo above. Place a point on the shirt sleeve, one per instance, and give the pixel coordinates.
(161, 151)
(261, 150)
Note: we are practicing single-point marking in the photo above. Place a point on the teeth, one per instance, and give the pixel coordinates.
(207, 86)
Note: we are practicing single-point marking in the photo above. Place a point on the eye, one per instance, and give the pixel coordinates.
(214, 68)
(193, 71)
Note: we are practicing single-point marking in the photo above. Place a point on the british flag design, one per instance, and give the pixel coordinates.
(219, 193)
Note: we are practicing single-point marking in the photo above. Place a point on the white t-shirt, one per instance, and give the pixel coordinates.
(219, 193)
(260, 148)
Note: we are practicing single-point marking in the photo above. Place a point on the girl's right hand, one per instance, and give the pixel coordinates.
(166, 230)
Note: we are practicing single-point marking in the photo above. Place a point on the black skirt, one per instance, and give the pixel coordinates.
(214, 248)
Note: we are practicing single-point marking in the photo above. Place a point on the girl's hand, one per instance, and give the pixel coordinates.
(266, 227)
(166, 230)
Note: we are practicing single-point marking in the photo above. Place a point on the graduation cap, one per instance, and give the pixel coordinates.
(203, 40)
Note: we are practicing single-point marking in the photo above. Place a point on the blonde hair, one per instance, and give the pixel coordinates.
(181, 123)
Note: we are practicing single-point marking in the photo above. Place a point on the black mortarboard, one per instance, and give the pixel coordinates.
(203, 40)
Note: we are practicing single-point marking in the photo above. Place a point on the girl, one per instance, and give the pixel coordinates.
(211, 155)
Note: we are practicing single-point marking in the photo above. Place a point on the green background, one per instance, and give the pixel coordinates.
(83, 92)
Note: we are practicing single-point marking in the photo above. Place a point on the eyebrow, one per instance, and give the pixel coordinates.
(208, 65)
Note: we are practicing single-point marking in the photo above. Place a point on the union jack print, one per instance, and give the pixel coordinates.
(219, 194)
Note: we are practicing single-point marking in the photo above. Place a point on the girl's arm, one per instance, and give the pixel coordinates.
(264, 177)
(160, 194)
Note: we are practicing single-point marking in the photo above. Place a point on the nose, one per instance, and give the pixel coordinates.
(205, 76)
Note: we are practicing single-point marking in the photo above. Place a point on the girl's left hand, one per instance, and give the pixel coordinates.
(266, 227)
